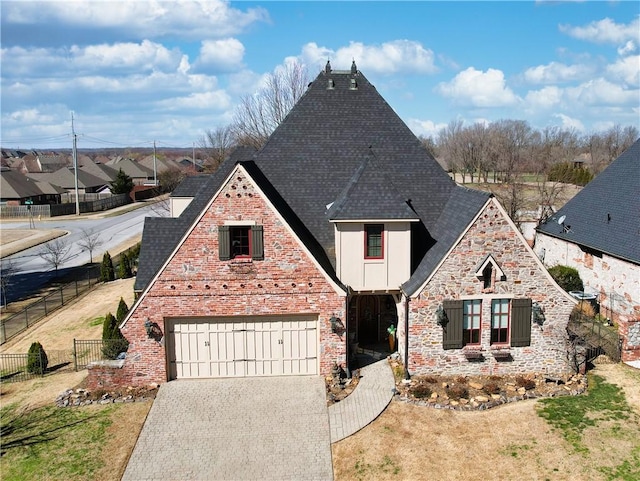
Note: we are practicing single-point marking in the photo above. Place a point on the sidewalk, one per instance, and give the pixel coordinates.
(371, 396)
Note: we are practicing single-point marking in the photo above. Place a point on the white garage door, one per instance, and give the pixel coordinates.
(240, 347)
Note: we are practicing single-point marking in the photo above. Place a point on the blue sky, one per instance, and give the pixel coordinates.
(134, 72)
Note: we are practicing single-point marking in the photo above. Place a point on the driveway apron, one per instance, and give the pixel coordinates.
(274, 428)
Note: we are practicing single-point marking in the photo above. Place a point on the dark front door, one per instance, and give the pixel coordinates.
(368, 319)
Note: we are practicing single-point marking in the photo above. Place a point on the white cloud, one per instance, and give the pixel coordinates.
(145, 56)
(397, 56)
(545, 98)
(602, 92)
(479, 89)
(570, 123)
(225, 54)
(627, 48)
(626, 69)
(216, 100)
(426, 128)
(557, 72)
(143, 18)
(605, 31)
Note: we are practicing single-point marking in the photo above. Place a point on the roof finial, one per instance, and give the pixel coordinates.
(354, 69)
(327, 68)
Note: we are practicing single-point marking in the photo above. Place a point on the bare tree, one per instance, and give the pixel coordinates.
(55, 253)
(218, 143)
(259, 114)
(90, 241)
(7, 271)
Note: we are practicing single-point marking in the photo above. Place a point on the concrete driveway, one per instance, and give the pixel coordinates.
(273, 428)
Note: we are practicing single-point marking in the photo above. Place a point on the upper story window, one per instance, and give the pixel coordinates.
(240, 242)
(374, 241)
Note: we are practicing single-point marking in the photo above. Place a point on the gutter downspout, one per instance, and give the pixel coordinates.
(347, 367)
(406, 336)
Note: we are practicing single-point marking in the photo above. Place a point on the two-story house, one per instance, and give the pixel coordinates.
(291, 259)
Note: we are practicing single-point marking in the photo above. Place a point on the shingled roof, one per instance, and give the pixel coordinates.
(342, 153)
(605, 215)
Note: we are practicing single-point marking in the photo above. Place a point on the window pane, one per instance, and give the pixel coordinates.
(240, 245)
(471, 321)
(500, 320)
(374, 240)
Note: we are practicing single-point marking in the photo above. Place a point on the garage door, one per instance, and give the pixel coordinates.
(241, 347)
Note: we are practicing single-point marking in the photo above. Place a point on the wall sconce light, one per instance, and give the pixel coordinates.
(441, 317)
(537, 314)
(337, 327)
(153, 330)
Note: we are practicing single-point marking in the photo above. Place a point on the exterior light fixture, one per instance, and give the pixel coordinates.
(441, 317)
(337, 327)
(537, 314)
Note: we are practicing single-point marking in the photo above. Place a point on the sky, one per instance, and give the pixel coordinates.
(135, 72)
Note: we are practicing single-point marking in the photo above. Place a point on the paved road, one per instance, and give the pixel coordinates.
(273, 428)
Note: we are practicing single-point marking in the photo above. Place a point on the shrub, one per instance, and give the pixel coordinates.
(457, 392)
(491, 387)
(567, 277)
(421, 391)
(113, 342)
(430, 379)
(461, 380)
(583, 310)
(37, 360)
(525, 382)
(124, 268)
(122, 311)
(107, 273)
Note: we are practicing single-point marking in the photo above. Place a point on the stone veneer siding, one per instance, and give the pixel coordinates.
(615, 281)
(196, 283)
(491, 234)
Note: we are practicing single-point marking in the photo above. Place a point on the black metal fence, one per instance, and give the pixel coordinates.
(22, 367)
(88, 351)
(600, 338)
(15, 367)
(20, 321)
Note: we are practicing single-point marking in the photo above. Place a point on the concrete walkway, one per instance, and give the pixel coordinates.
(370, 397)
(270, 428)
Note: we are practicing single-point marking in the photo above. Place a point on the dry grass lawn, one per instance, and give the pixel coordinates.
(409, 442)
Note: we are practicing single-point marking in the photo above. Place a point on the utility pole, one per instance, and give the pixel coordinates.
(75, 164)
(155, 176)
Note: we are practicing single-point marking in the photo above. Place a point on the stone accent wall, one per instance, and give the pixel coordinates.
(196, 283)
(630, 332)
(492, 233)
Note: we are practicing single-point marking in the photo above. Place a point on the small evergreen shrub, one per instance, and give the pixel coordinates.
(124, 268)
(567, 277)
(113, 341)
(122, 311)
(107, 273)
(37, 360)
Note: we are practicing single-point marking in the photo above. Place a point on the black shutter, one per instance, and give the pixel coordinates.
(257, 243)
(224, 243)
(452, 331)
(520, 322)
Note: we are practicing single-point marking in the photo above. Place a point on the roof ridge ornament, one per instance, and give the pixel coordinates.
(354, 69)
(327, 67)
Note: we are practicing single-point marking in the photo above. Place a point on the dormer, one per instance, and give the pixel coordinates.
(488, 272)
(372, 231)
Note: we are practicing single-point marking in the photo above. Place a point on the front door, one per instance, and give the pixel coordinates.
(368, 319)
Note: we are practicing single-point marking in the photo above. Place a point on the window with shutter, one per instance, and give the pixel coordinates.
(520, 322)
(238, 242)
(452, 335)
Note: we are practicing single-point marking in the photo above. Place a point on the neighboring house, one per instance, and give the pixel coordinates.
(65, 178)
(598, 233)
(184, 193)
(295, 258)
(101, 171)
(140, 174)
(17, 189)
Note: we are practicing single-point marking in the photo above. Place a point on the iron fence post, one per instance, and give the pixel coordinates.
(75, 356)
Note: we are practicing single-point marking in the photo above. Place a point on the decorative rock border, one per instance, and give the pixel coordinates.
(84, 397)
